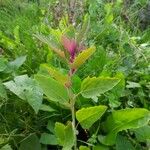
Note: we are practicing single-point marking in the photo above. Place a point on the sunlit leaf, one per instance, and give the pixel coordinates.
(122, 120)
(82, 57)
(88, 116)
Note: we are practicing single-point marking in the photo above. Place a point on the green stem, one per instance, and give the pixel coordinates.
(72, 107)
(74, 123)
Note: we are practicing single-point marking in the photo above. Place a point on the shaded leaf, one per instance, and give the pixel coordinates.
(88, 116)
(15, 64)
(48, 139)
(6, 147)
(26, 89)
(3, 93)
(142, 134)
(122, 143)
(65, 135)
(30, 143)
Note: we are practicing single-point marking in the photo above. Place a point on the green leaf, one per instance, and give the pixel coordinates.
(48, 139)
(122, 120)
(84, 29)
(47, 108)
(88, 116)
(84, 148)
(93, 87)
(6, 147)
(82, 57)
(50, 43)
(3, 93)
(142, 134)
(65, 135)
(15, 64)
(26, 89)
(3, 64)
(54, 73)
(100, 147)
(30, 143)
(53, 89)
(122, 143)
(133, 85)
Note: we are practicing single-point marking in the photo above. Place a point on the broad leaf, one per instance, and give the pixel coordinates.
(123, 120)
(88, 116)
(93, 87)
(30, 143)
(53, 89)
(142, 134)
(54, 73)
(65, 135)
(122, 143)
(26, 89)
(6, 147)
(82, 57)
(48, 139)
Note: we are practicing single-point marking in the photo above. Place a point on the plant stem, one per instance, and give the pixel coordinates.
(74, 123)
(72, 107)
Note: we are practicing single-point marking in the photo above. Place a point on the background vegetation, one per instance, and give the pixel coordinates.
(120, 30)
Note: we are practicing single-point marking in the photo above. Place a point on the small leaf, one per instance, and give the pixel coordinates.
(30, 143)
(122, 120)
(84, 148)
(53, 47)
(26, 89)
(133, 85)
(53, 89)
(82, 57)
(15, 64)
(47, 108)
(93, 87)
(3, 64)
(3, 93)
(48, 139)
(88, 116)
(65, 135)
(84, 29)
(63, 79)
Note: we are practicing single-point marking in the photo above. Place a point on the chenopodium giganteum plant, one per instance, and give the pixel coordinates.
(59, 88)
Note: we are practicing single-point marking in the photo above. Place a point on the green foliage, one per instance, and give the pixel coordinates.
(65, 135)
(88, 116)
(26, 89)
(52, 89)
(123, 120)
(30, 143)
(93, 87)
(101, 92)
